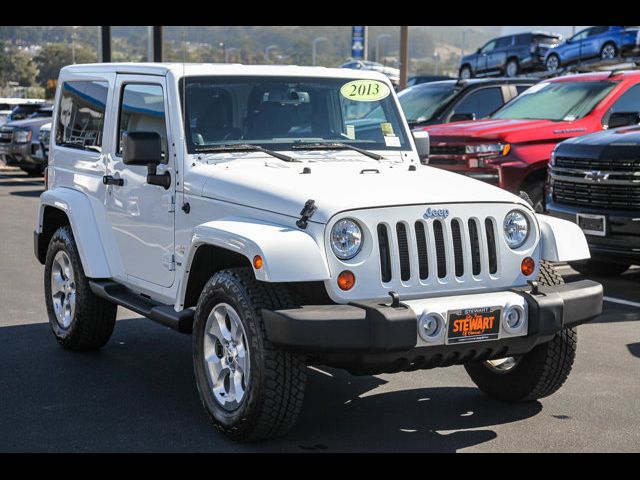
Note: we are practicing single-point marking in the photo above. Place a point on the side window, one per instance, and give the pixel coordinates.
(142, 110)
(629, 101)
(489, 47)
(523, 39)
(504, 42)
(581, 35)
(482, 102)
(597, 31)
(80, 119)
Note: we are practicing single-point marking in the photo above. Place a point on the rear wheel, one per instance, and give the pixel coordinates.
(79, 319)
(536, 374)
(250, 389)
(600, 269)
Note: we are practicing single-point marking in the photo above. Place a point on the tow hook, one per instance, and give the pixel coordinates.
(395, 299)
(306, 213)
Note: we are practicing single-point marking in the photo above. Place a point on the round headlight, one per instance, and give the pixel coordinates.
(346, 239)
(516, 228)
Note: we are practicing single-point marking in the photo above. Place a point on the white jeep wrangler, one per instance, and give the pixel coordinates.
(282, 215)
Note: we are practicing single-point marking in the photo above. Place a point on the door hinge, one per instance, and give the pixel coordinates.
(170, 203)
(169, 261)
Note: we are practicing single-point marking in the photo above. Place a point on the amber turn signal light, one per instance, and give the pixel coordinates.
(257, 262)
(346, 280)
(527, 266)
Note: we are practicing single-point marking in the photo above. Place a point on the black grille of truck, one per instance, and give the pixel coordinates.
(6, 135)
(596, 183)
(440, 248)
(446, 150)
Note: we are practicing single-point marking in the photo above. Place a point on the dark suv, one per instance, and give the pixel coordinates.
(509, 55)
(593, 181)
(457, 100)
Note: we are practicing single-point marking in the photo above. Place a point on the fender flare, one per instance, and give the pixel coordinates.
(77, 207)
(561, 240)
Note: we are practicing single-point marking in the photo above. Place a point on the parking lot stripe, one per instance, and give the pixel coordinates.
(621, 301)
(26, 182)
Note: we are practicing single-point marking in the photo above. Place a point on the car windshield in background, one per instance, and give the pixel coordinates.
(421, 103)
(279, 112)
(545, 39)
(557, 101)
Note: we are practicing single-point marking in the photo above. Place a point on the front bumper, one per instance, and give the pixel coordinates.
(621, 244)
(18, 153)
(370, 337)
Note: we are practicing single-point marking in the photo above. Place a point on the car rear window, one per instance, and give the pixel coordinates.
(544, 39)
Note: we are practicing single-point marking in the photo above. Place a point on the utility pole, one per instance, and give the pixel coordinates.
(313, 49)
(157, 44)
(149, 44)
(404, 57)
(105, 44)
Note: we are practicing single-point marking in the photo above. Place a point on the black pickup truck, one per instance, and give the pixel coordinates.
(594, 180)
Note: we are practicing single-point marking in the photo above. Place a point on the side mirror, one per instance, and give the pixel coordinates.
(421, 138)
(141, 148)
(461, 117)
(621, 119)
(145, 148)
(479, 50)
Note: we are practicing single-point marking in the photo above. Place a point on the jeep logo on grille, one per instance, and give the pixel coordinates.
(436, 213)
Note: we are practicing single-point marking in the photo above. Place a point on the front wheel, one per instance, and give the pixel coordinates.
(465, 72)
(512, 68)
(250, 389)
(608, 52)
(552, 63)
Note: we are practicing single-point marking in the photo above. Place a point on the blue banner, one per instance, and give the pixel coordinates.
(359, 43)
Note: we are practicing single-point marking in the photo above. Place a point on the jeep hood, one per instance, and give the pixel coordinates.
(338, 186)
(512, 131)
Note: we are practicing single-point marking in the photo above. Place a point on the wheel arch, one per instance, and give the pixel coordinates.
(288, 254)
(64, 206)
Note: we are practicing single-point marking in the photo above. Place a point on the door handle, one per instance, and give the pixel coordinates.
(111, 180)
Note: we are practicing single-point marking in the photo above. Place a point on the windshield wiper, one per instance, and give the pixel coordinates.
(337, 146)
(243, 147)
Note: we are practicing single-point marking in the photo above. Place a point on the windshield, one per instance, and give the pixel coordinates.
(557, 101)
(421, 103)
(279, 112)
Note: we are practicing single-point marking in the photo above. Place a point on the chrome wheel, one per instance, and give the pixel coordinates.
(465, 73)
(512, 69)
(502, 365)
(226, 356)
(553, 63)
(63, 289)
(608, 52)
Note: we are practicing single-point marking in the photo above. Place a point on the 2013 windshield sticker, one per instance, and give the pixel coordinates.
(365, 90)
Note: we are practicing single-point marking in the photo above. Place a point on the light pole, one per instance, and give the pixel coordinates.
(464, 40)
(313, 49)
(378, 38)
(227, 53)
(224, 51)
(269, 48)
(436, 57)
(73, 46)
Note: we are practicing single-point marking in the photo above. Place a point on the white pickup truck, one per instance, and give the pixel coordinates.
(282, 216)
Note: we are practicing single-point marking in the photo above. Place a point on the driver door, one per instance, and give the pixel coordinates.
(142, 215)
(483, 56)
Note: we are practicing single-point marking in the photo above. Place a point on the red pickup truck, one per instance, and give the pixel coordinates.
(511, 148)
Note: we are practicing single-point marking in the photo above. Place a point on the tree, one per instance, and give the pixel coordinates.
(54, 56)
(16, 66)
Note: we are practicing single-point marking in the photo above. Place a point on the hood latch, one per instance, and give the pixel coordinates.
(306, 213)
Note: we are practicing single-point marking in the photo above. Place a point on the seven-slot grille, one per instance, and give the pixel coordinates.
(440, 248)
(6, 135)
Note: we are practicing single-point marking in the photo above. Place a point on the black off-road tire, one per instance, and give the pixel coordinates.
(94, 319)
(600, 269)
(535, 191)
(537, 374)
(275, 390)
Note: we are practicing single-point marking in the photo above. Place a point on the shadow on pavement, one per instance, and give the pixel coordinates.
(138, 394)
(28, 193)
(634, 349)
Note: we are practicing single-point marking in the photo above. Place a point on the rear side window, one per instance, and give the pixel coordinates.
(522, 88)
(142, 110)
(523, 39)
(629, 101)
(482, 102)
(80, 121)
(504, 42)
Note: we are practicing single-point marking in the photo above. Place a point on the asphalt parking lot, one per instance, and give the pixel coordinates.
(138, 393)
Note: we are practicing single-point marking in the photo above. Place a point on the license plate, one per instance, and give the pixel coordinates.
(473, 324)
(592, 224)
